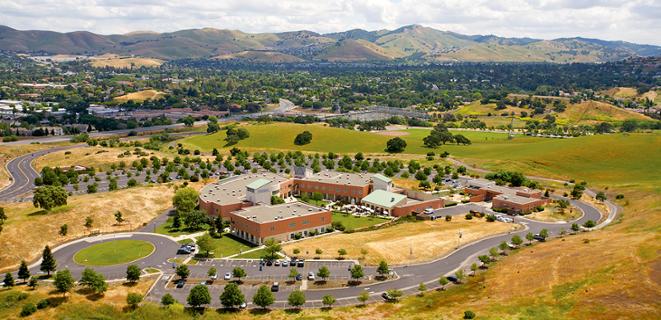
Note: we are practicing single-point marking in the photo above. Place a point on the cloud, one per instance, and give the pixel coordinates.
(635, 21)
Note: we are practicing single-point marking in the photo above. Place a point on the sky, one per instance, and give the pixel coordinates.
(637, 21)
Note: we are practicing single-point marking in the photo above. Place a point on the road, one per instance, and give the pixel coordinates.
(23, 174)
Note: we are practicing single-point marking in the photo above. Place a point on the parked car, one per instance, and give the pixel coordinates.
(538, 237)
(227, 276)
(299, 277)
(388, 297)
(285, 263)
(276, 263)
(452, 279)
(243, 305)
(311, 276)
(214, 276)
(180, 284)
(269, 262)
(275, 287)
(300, 263)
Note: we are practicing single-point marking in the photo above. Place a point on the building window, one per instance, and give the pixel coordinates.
(306, 222)
(292, 225)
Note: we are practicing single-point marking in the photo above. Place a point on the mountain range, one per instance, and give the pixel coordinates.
(413, 43)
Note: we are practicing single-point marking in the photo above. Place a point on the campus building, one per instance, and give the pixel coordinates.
(512, 199)
(245, 201)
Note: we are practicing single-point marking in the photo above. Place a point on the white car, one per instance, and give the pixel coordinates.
(227, 276)
(311, 276)
(214, 277)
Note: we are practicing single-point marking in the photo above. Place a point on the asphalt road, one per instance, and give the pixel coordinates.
(23, 174)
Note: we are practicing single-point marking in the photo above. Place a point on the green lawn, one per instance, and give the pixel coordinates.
(113, 252)
(352, 222)
(166, 228)
(603, 159)
(257, 254)
(228, 245)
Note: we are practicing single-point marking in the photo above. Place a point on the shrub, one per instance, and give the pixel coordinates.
(28, 309)
(469, 314)
(448, 218)
(42, 304)
(469, 216)
(491, 218)
(619, 196)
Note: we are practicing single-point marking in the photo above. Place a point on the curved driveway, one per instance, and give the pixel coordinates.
(165, 248)
(23, 174)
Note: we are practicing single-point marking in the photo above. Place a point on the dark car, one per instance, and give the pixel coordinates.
(452, 279)
(538, 237)
(299, 277)
(300, 263)
(275, 287)
(388, 297)
(180, 284)
(269, 262)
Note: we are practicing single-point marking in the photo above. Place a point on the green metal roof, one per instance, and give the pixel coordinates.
(384, 199)
(382, 178)
(258, 183)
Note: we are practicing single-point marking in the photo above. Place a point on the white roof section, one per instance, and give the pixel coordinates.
(384, 199)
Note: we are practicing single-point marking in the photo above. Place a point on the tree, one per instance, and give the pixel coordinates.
(383, 269)
(88, 222)
(63, 281)
(182, 271)
(23, 272)
(474, 268)
(33, 283)
(589, 224)
(133, 299)
(318, 251)
(461, 139)
(296, 298)
(293, 273)
(272, 247)
(195, 219)
(232, 296)
(185, 200)
(48, 197)
(238, 272)
(530, 237)
(93, 281)
(9, 280)
(323, 273)
(198, 296)
(443, 281)
(132, 273)
(516, 240)
(629, 125)
(118, 217)
(575, 227)
(328, 300)
(48, 263)
(205, 243)
(493, 252)
(357, 272)
(167, 300)
(394, 294)
(422, 288)
(263, 297)
(502, 246)
(342, 252)
(64, 229)
(601, 196)
(544, 233)
(303, 138)
(212, 272)
(395, 145)
(460, 275)
(363, 297)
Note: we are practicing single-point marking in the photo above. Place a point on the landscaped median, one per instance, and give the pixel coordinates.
(113, 252)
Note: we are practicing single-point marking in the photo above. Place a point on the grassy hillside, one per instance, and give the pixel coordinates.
(356, 50)
(140, 96)
(125, 62)
(260, 56)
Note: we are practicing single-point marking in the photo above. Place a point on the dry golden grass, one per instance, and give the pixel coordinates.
(593, 111)
(428, 239)
(97, 157)
(116, 62)
(141, 96)
(28, 229)
(622, 92)
(8, 152)
(553, 212)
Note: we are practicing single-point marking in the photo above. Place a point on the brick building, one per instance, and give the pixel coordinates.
(512, 199)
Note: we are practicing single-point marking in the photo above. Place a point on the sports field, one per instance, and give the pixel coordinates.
(113, 252)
